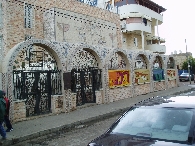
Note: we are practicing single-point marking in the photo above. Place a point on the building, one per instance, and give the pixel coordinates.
(58, 55)
(181, 58)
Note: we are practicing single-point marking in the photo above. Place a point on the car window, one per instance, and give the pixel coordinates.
(163, 123)
(185, 74)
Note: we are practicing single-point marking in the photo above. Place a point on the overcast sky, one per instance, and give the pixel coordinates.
(178, 25)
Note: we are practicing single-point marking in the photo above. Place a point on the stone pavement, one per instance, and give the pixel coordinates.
(35, 128)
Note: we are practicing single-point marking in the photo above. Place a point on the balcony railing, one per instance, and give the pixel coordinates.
(126, 11)
(156, 48)
(137, 27)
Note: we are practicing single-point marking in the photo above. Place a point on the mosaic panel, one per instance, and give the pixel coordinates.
(34, 58)
(84, 29)
(140, 62)
(117, 61)
(157, 64)
(84, 58)
(119, 78)
(49, 30)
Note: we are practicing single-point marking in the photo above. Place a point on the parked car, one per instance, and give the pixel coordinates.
(185, 77)
(157, 121)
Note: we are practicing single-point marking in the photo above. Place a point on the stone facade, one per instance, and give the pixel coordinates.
(74, 35)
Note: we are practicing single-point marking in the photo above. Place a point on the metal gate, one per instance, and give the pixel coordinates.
(36, 87)
(85, 82)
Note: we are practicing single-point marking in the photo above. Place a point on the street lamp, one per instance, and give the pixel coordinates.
(188, 63)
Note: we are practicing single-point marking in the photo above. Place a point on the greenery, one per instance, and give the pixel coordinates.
(191, 63)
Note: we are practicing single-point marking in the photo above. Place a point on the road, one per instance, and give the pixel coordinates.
(83, 134)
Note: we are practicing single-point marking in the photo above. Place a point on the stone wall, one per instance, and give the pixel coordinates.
(119, 93)
(99, 97)
(141, 89)
(14, 22)
(171, 84)
(159, 86)
(57, 104)
(19, 111)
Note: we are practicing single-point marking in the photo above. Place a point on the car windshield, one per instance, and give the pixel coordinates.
(185, 74)
(161, 123)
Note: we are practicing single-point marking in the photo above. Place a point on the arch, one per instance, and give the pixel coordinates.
(123, 53)
(160, 58)
(171, 62)
(92, 49)
(13, 53)
(9, 59)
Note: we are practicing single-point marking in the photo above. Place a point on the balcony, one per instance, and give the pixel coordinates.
(156, 48)
(137, 27)
(126, 11)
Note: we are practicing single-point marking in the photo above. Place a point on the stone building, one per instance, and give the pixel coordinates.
(180, 58)
(59, 55)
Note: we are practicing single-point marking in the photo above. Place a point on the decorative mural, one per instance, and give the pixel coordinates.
(117, 61)
(119, 78)
(140, 62)
(142, 76)
(89, 2)
(63, 28)
(83, 29)
(171, 74)
(157, 64)
(158, 74)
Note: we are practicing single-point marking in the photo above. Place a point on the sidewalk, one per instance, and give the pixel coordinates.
(26, 130)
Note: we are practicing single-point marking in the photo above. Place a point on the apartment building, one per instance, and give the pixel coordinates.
(58, 55)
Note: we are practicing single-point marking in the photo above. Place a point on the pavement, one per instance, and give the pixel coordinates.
(42, 126)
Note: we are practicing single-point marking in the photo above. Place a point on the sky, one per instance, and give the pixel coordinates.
(178, 25)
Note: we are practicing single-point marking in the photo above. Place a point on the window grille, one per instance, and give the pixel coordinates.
(28, 10)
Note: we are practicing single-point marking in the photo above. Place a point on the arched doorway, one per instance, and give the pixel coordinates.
(35, 78)
(158, 69)
(85, 76)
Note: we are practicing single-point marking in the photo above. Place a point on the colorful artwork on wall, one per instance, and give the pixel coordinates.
(158, 74)
(171, 74)
(119, 78)
(142, 76)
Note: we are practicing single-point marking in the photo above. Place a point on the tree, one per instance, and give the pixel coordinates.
(191, 61)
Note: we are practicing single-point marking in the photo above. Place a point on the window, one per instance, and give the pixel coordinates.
(135, 42)
(28, 10)
(1, 19)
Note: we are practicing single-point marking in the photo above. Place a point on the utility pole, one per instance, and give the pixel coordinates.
(188, 63)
